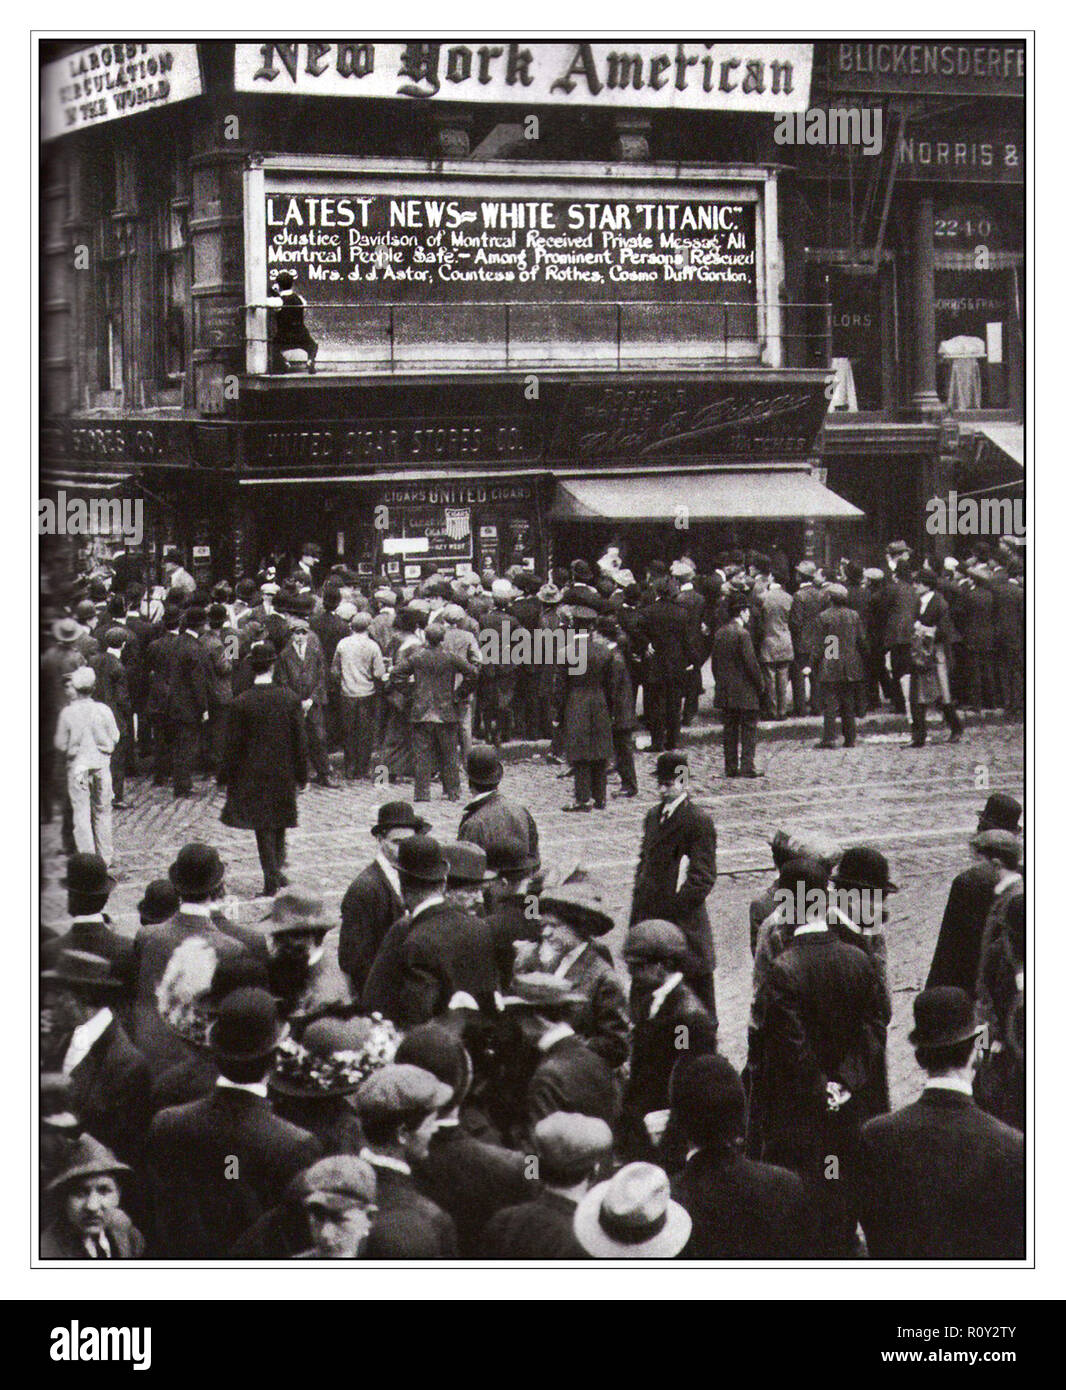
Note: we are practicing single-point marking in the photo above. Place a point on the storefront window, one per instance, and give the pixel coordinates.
(172, 275)
(979, 283)
(863, 326)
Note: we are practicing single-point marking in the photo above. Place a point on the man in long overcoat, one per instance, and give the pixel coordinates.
(264, 764)
(587, 737)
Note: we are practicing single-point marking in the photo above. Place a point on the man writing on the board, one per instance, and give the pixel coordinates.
(290, 331)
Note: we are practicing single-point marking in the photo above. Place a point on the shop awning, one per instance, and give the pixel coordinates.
(1008, 439)
(769, 494)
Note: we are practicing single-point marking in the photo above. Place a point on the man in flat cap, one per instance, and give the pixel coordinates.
(301, 668)
(843, 655)
(568, 1150)
(86, 735)
(807, 602)
(940, 1179)
(957, 957)
(666, 1012)
(340, 1203)
(676, 870)
(398, 1107)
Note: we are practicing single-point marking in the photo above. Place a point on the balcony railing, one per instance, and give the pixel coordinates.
(522, 335)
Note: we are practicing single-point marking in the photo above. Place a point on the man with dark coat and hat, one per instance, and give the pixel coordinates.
(668, 658)
(931, 643)
(443, 951)
(305, 976)
(89, 886)
(739, 688)
(108, 1078)
(815, 1058)
(468, 1178)
(264, 764)
(843, 664)
(676, 871)
(373, 900)
(189, 699)
(552, 1067)
(940, 1179)
(490, 819)
(301, 667)
(661, 1003)
(568, 1149)
(216, 1165)
(740, 1209)
(90, 1223)
(957, 957)
(587, 740)
(198, 876)
(808, 600)
(573, 922)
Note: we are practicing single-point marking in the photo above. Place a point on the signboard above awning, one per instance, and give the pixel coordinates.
(767, 494)
(111, 80)
(734, 75)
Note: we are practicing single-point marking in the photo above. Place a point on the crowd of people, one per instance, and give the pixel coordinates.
(460, 1068)
(403, 681)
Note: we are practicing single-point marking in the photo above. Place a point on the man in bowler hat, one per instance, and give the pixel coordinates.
(373, 900)
(676, 870)
(217, 1164)
(957, 957)
(490, 819)
(940, 1179)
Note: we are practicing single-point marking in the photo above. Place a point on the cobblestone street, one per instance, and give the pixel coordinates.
(918, 805)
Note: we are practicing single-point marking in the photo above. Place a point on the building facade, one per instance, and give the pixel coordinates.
(470, 302)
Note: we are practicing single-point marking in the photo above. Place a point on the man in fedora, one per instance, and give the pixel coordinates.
(677, 868)
(301, 668)
(86, 734)
(632, 1217)
(468, 1177)
(373, 900)
(108, 1078)
(469, 877)
(198, 877)
(340, 1203)
(573, 923)
(441, 951)
(398, 1108)
(808, 600)
(89, 886)
(741, 1210)
(305, 975)
(90, 1223)
(551, 1067)
(665, 1010)
(957, 956)
(940, 1179)
(568, 1150)
(490, 819)
(216, 1165)
(264, 764)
